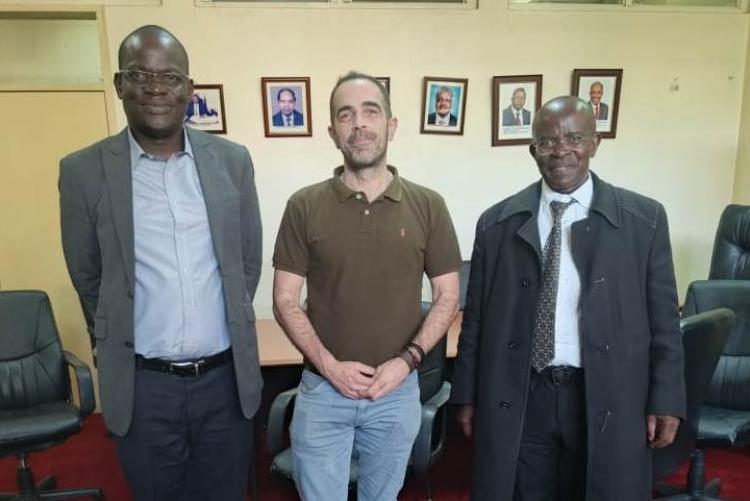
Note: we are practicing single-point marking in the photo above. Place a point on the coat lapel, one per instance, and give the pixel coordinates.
(118, 178)
(590, 238)
(527, 201)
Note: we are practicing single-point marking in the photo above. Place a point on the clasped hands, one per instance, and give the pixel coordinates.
(358, 381)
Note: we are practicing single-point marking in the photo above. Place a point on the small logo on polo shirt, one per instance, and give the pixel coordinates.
(403, 232)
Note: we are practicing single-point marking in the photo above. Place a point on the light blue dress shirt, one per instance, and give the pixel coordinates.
(567, 333)
(179, 311)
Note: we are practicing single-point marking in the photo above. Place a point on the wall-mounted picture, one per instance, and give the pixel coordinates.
(515, 101)
(286, 106)
(443, 105)
(386, 81)
(601, 89)
(205, 111)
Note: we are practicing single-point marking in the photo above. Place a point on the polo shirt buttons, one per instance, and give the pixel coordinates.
(367, 212)
(358, 196)
(505, 404)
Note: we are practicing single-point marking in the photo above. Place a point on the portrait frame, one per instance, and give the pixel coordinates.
(209, 99)
(505, 129)
(431, 86)
(611, 81)
(386, 81)
(300, 119)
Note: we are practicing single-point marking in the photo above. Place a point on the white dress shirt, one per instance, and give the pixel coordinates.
(567, 334)
(442, 120)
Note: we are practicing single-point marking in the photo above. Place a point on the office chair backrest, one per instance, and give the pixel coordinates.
(432, 368)
(703, 338)
(31, 362)
(730, 386)
(731, 255)
(463, 283)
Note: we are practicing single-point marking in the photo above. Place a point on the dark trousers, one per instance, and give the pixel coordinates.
(189, 439)
(552, 458)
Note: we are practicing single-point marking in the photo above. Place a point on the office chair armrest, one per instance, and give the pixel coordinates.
(277, 424)
(421, 451)
(84, 382)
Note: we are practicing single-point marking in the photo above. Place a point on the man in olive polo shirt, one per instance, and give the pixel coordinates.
(363, 240)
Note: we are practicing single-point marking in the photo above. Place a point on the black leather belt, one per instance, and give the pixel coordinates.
(184, 368)
(562, 374)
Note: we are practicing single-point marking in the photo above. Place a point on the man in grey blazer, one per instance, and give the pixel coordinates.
(162, 238)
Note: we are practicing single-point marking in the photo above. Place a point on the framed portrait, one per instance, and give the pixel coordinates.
(443, 105)
(286, 106)
(515, 101)
(386, 81)
(205, 111)
(601, 89)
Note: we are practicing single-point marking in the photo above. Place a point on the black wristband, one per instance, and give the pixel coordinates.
(407, 357)
(418, 348)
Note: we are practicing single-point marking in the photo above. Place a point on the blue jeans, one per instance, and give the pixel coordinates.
(326, 427)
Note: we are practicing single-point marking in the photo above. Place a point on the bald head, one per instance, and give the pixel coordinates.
(149, 36)
(558, 109)
(564, 139)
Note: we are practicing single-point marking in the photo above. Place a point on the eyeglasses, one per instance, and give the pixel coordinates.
(546, 146)
(138, 77)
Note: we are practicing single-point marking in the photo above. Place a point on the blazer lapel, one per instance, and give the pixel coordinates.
(118, 178)
(216, 189)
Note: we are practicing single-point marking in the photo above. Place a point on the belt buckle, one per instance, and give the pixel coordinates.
(184, 365)
(560, 375)
(564, 375)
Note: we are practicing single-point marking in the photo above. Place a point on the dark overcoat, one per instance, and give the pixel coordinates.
(630, 337)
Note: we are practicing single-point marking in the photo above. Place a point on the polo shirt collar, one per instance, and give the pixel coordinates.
(343, 192)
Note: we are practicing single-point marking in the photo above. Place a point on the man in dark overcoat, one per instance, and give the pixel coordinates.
(570, 365)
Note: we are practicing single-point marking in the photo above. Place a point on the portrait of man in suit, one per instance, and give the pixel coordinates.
(516, 114)
(287, 116)
(600, 108)
(198, 110)
(442, 115)
(161, 234)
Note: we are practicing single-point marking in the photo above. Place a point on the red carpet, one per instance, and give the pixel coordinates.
(89, 459)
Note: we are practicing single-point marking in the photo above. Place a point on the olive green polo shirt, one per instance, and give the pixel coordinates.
(364, 262)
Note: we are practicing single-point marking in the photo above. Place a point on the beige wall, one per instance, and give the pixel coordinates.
(52, 53)
(668, 144)
(30, 253)
(742, 174)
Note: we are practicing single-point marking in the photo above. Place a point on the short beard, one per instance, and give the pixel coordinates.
(357, 166)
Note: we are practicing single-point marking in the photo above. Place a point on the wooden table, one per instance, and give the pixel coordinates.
(276, 349)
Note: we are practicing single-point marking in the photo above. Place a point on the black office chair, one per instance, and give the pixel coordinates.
(463, 283)
(703, 338)
(430, 441)
(36, 408)
(731, 255)
(725, 419)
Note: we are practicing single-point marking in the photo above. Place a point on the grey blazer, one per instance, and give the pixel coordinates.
(96, 215)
